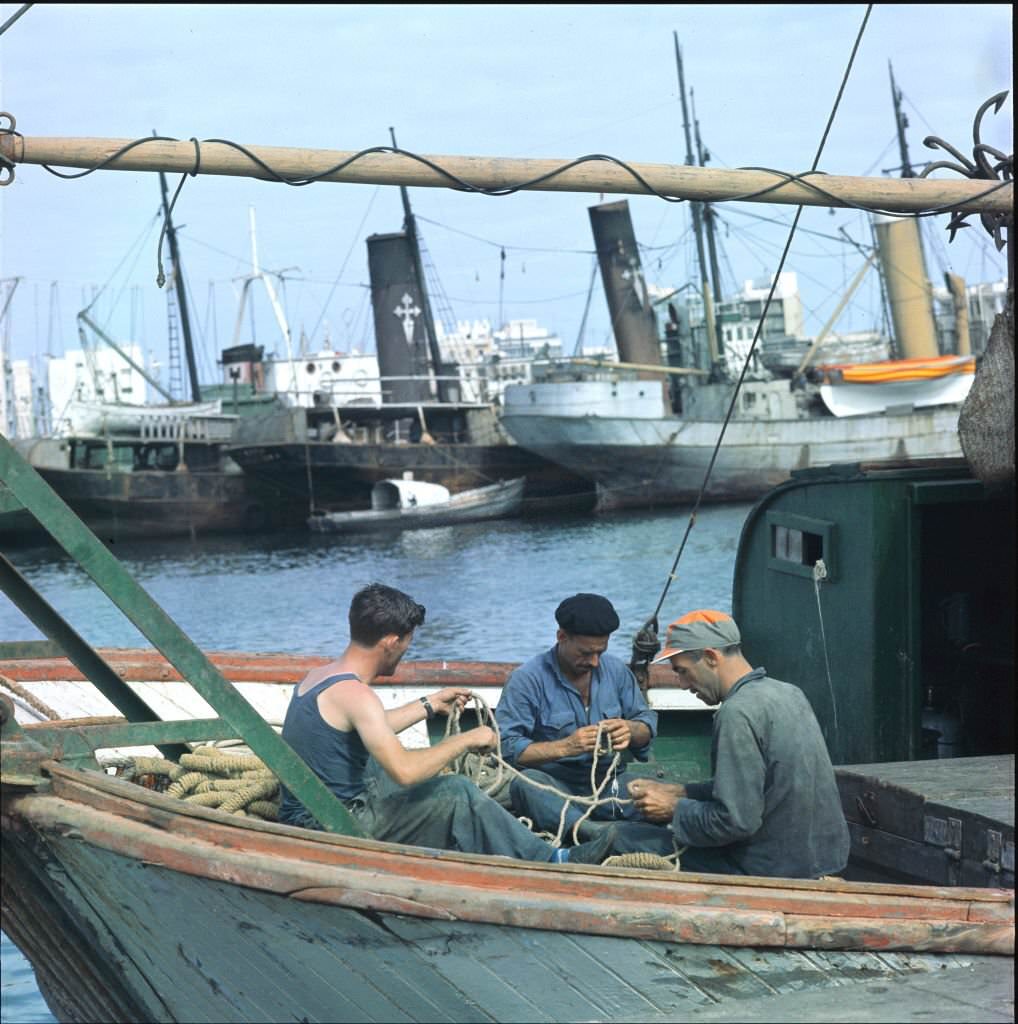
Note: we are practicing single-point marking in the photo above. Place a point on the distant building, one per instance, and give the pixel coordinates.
(102, 375)
(489, 360)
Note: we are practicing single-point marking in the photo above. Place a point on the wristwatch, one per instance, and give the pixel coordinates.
(428, 708)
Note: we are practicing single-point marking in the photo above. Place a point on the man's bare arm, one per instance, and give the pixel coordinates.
(365, 713)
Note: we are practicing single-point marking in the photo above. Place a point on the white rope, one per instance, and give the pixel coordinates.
(819, 574)
(485, 716)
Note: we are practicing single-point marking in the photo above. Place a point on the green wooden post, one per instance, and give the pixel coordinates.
(47, 620)
(122, 589)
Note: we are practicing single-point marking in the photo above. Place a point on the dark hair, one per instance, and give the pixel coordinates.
(377, 611)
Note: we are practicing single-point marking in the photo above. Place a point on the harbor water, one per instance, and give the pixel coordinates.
(490, 590)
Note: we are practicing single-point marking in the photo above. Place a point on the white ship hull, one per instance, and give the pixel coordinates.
(645, 460)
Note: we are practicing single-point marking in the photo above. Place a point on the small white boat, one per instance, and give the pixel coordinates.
(187, 421)
(413, 504)
(865, 389)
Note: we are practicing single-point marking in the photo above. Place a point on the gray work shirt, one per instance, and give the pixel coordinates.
(773, 801)
(539, 705)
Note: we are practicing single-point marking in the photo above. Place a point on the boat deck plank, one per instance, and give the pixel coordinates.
(484, 962)
(370, 949)
(982, 993)
(604, 979)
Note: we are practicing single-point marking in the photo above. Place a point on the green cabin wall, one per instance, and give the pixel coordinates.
(897, 545)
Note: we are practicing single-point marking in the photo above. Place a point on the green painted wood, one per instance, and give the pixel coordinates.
(78, 746)
(18, 650)
(49, 621)
(196, 943)
(714, 971)
(337, 941)
(164, 634)
(87, 942)
(614, 990)
(192, 949)
(922, 601)
(473, 958)
(648, 967)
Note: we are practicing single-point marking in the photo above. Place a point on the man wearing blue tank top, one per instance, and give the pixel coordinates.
(336, 723)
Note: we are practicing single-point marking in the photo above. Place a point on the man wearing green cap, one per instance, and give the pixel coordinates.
(772, 806)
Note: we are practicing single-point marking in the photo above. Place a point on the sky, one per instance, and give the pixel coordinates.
(541, 80)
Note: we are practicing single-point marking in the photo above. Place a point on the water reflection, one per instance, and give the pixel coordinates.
(490, 588)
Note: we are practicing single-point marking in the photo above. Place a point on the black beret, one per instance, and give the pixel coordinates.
(587, 615)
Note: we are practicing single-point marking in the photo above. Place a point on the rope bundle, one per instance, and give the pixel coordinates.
(234, 783)
(479, 769)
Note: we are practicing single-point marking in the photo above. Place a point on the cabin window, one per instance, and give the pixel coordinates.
(797, 543)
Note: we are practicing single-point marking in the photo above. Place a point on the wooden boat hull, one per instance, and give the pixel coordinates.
(497, 501)
(132, 906)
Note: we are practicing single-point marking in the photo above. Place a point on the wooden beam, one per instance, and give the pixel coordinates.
(902, 195)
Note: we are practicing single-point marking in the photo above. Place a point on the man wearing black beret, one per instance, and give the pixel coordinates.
(550, 711)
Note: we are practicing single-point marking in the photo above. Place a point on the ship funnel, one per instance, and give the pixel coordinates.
(242, 364)
(398, 308)
(633, 321)
(908, 289)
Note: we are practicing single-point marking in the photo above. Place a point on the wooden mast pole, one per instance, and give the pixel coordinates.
(901, 195)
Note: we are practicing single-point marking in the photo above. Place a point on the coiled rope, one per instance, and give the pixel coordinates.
(234, 783)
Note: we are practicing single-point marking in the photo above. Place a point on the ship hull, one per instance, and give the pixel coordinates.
(146, 505)
(664, 461)
(339, 477)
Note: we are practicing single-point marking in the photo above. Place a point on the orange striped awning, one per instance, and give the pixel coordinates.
(898, 369)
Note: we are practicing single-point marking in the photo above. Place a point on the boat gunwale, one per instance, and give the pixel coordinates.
(141, 665)
(127, 820)
(89, 785)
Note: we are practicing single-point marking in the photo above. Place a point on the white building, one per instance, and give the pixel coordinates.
(489, 360)
(102, 375)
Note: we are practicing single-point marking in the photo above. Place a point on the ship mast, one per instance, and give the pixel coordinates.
(410, 227)
(708, 305)
(181, 291)
(901, 123)
(709, 216)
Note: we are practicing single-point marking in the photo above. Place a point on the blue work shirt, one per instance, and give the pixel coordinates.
(539, 705)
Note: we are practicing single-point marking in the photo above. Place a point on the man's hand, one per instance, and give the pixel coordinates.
(451, 697)
(481, 739)
(582, 741)
(656, 801)
(618, 730)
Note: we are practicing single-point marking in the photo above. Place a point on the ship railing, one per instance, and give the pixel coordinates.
(195, 428)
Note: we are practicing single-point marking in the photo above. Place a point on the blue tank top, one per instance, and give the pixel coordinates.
(338, 758)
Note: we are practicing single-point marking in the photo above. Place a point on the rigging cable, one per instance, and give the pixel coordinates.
(648, 634)
(578, 347)
(335, 284)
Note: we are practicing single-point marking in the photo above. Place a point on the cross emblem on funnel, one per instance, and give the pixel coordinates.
(408, 312)
(635, 276)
